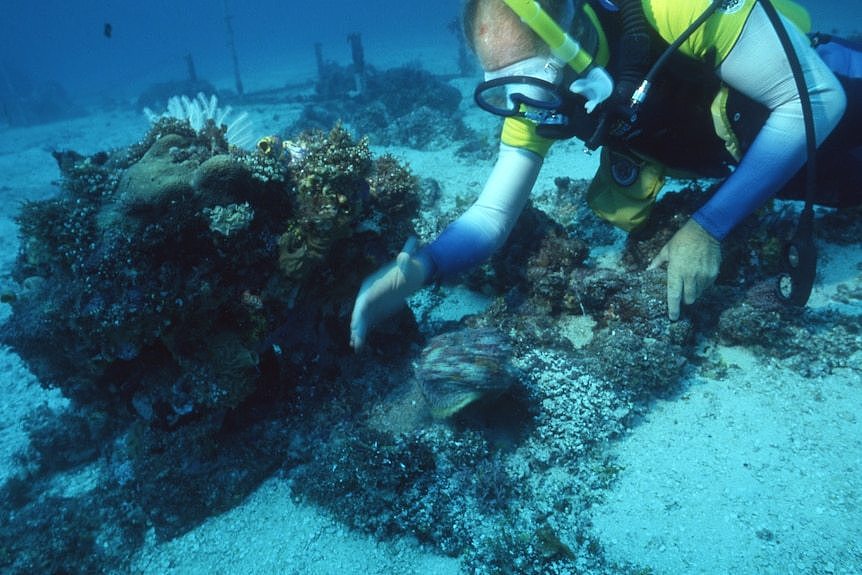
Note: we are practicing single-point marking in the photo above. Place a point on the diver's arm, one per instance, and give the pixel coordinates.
(484, 227)
(466, 242)
(757, 66)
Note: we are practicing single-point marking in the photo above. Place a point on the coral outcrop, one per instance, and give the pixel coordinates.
(403, 106)
(186, 261)
(175, 288)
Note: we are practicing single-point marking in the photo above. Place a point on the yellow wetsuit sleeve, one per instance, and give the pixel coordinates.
(521, 133)
(719, 33)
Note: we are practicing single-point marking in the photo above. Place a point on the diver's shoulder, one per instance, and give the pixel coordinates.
(672, 18)
(681, 13)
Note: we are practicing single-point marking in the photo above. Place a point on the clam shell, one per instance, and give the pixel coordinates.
(459, 367)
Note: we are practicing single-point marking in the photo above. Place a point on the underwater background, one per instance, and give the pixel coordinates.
(177, 392)
(149, 41)
(52, 41)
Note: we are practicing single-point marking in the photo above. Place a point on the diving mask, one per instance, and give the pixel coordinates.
(531, 90)
(519, 87)
(557, 113)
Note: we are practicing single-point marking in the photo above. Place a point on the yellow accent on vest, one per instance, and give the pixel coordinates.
(720, 32)
(626, 207)
(521, 133)
(722, 124)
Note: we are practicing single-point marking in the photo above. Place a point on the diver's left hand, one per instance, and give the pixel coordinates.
(693, 259)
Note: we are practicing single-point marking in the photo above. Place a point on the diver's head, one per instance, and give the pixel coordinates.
(535, 68)
(499, 37)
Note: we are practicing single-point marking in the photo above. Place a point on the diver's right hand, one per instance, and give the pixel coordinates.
(596, 87)
(383, 293)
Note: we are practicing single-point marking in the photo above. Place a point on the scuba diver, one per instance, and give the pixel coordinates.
(726, 89)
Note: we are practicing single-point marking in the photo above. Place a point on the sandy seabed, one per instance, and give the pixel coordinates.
(758, 471)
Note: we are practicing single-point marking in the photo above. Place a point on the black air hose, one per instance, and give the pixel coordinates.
(800, 253)
(634, 49)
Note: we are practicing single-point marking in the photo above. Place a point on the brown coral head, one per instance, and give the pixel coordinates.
(457, 368)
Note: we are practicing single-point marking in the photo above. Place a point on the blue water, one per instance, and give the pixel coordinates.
(54, 40)
(62, 42)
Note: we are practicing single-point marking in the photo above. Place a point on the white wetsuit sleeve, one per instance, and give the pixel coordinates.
(758, 67)
(484, 227)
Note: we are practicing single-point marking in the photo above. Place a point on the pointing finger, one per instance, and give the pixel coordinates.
(674, 295)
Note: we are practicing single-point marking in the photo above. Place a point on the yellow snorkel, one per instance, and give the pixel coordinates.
(562, 46)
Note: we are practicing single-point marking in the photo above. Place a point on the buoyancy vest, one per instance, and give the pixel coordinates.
(691, 124)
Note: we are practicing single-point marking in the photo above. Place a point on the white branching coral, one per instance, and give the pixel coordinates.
(197, 111)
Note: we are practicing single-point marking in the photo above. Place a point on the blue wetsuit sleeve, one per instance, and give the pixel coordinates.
(757, 67)
(458, 248)
(766, 166)
(484, 227)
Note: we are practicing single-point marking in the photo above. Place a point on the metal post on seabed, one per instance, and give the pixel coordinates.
(357, 53)
(232, 47)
